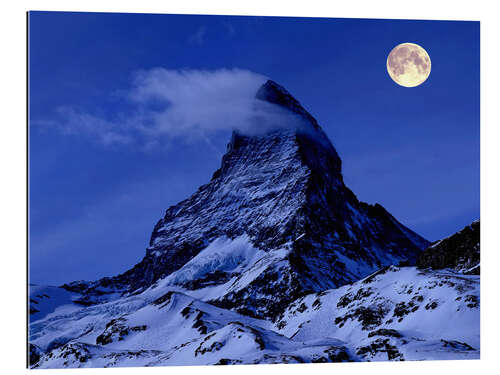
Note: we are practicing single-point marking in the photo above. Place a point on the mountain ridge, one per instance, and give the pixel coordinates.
(459, 252)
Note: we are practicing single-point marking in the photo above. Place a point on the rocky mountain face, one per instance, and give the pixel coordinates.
(283, 191)
(274, 260)
(459, 252)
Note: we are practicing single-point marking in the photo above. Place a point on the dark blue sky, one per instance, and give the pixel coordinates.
(94, 205)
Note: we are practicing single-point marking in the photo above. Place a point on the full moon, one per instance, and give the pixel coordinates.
(408, 64)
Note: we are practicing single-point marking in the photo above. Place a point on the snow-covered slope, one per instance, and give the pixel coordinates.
(180, 330)
(50, 300)
(397, 313)
(394, 314)
(46, 301)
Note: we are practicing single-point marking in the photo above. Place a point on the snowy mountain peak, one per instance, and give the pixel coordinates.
(275, 222)
(273, 93)
(296, 131)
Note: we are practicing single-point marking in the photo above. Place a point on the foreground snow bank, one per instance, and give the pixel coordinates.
(396, 313)
(393, 314)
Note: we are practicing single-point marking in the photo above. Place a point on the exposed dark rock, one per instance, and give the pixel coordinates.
(460, 252)
(302, 308)
(199, 324)
(385, 332)
(117, 329)
(431, 305)
(472, 301)
(227, 361)
(33, 310)
(381, 346)
(215, 346)
(348, 298)
(404, 308)
(316, 304)
(333, 354)
(33, 355)
(372, 277)
(72, 352)
(369, 317)
(164, 299)
(456, 345)
(211, 279)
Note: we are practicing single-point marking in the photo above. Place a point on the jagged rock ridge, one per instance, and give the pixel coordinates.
(459, 252)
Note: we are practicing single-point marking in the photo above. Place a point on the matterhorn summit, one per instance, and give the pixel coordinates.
(281, 194)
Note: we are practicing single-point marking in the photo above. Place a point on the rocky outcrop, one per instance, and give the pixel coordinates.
(459, 252)
(34, 354)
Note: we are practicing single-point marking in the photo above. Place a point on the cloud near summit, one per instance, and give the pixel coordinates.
(195, 101)
(161, 105)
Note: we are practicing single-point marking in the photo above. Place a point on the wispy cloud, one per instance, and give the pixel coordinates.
(162, 105)
(193, 103)
(69, 121)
